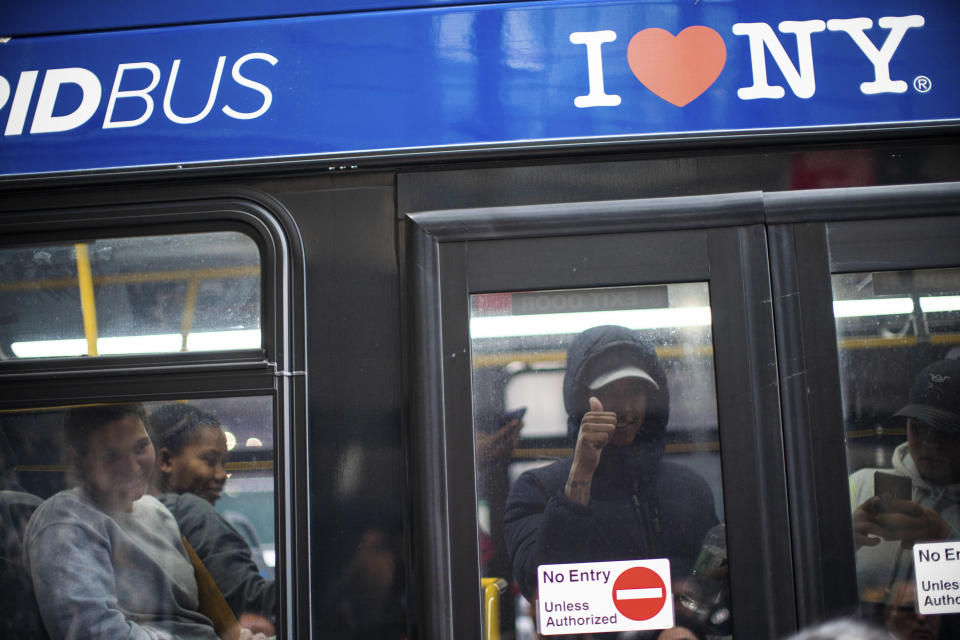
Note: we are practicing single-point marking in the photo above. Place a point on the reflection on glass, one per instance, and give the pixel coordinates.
(596, 440)
(151, 294)
(121, 471)
(899, 340)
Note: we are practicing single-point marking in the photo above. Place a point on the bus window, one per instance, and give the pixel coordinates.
(596, 437)
(97, 497)
(115, 296)
(899, 344)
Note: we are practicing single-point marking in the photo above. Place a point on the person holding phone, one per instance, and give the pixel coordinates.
(918, 500)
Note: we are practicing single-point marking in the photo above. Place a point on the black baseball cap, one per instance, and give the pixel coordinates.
(935, 396)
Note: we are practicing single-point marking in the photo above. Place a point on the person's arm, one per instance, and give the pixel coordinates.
(536, 513)
(543, 526)
(547, 526)
(226, 555)
(73, 579)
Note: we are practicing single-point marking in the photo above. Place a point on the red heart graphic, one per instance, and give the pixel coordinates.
(678, 69)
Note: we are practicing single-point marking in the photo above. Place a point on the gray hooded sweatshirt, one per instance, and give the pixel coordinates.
(878, 567)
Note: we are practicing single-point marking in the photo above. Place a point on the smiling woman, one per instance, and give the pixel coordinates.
(191, 450)
(189, 479)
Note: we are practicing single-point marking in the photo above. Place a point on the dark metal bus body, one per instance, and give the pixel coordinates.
(375, 231)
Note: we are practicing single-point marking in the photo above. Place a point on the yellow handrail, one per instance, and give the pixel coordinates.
(492, 587)
(189, 307)
(87, 301)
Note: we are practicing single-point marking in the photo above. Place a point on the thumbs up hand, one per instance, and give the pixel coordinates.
(597, 428)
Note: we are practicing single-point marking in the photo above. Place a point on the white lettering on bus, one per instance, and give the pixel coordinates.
(801, 77)
(91, 91)
(594, 41)
(144, 94)
(250, 84)
(801, 82)
(168, 94)
(21, 102)
(879, 58)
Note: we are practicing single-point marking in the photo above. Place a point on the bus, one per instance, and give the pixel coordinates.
(369, 238)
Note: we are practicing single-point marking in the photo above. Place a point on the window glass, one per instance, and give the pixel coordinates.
(150, 294)
(95, 500)
(899, 340)
(649, 486)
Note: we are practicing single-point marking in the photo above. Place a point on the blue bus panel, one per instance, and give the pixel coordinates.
(479, 75)
(36, 17)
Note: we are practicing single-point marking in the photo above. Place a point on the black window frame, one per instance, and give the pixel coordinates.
(277, 369)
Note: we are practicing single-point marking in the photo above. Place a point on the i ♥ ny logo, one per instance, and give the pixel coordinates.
(680, 68)
(677, 68)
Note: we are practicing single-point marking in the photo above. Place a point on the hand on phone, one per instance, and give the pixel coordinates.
(499, 444)
(891, 515)
(910, 523)
(891, 486)
(511, 416)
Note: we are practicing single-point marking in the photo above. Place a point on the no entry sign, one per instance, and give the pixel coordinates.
(937, 567)
(596, 597)
(639, 593)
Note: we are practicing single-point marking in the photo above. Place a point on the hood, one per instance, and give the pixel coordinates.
(601, 342)
(929, 494)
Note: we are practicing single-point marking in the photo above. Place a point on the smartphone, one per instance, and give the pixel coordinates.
(891, 485)
(510, 416)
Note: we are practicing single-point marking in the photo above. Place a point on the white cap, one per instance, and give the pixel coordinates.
(623, 372)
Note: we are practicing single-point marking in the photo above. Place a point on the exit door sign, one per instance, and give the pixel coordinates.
(598, 597)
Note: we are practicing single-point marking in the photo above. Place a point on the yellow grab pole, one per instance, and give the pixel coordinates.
(87, 304)
(491, 606)
(189, 308)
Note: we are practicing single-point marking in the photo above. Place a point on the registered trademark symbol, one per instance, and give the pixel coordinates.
(922, 84)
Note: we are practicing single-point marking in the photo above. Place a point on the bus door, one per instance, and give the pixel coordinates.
(867, 289)
(534, 328)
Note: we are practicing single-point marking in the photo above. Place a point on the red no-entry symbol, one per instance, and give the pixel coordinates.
(639, 593)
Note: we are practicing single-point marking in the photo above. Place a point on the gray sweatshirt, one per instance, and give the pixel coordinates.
(111, 575)
(878, 567)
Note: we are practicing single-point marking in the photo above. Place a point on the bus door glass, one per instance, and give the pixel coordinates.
(898, 338)
(596, 440)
